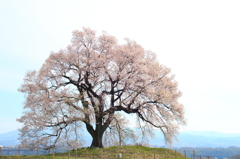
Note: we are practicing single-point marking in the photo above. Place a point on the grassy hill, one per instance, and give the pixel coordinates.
(127, 152)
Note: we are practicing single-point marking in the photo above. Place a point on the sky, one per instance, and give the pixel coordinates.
(198, 40)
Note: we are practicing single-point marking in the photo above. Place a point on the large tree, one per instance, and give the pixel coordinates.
(91, 80)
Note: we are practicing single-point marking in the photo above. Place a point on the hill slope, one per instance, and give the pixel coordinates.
(127, 152)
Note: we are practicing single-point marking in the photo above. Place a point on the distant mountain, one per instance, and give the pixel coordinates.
(201, 139)
(9, 138)
(185, 139)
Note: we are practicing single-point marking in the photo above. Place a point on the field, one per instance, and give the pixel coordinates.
(127, 152)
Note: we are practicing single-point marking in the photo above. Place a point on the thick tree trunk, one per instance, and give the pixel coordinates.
(97, 135)
(97, 140)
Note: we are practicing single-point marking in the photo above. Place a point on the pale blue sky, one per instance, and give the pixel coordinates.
(198, 40)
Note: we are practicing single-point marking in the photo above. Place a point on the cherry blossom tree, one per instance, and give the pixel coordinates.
(84, 85)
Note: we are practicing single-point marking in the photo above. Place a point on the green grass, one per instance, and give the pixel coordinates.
(128, 152)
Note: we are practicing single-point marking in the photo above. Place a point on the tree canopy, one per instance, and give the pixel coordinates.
(86, 84)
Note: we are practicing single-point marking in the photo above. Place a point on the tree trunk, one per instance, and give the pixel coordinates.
(97, 134)
(97, 139)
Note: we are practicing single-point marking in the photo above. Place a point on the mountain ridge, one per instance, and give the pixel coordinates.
(187, 138)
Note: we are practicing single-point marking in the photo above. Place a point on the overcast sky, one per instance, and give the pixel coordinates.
(198, 40)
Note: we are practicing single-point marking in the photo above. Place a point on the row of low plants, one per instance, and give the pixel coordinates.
(127, 152)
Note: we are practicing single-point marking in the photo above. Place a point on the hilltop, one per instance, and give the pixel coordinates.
(111, 152)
